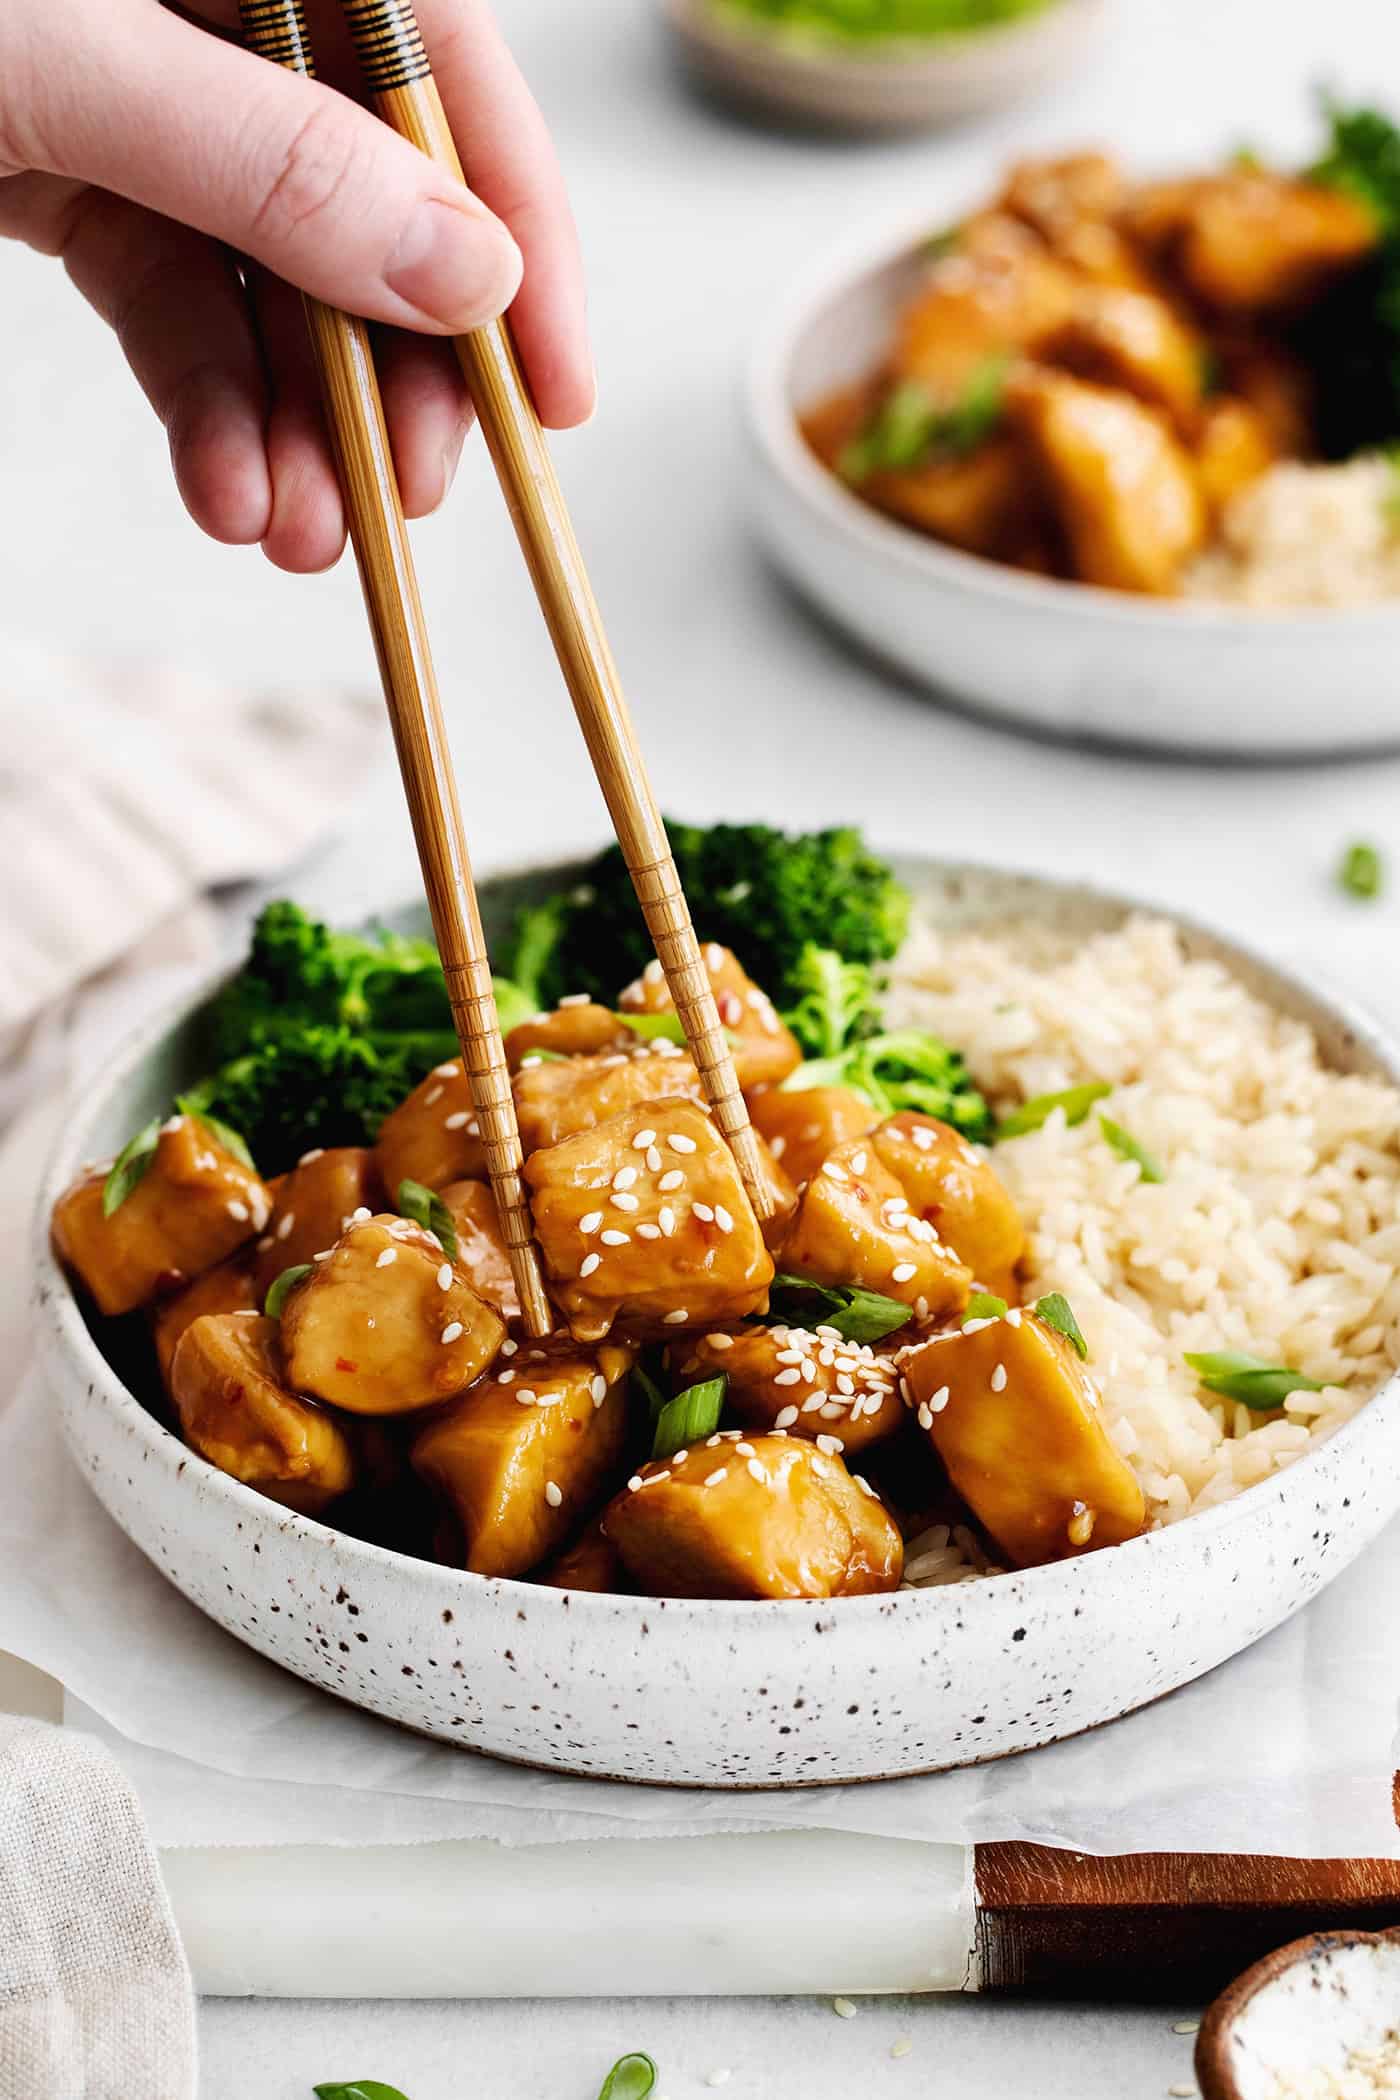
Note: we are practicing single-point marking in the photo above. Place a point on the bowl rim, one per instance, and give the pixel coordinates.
(865, 253)
(1215, 2073)
(64, 1331)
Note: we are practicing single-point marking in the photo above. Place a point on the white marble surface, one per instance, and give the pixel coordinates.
(690, 222)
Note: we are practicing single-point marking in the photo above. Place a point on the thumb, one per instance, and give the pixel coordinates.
(286, 171)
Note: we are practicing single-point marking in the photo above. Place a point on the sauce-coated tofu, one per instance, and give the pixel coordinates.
(803, 1126)
(433, 1136)
(999, 290)
(237, 1409)
(951, 1186)
(765, 1050)
(979, 501)
(645, 1220)
(1057, 195)
(854, 1225)
(194, 1206)
(525, 1458)
(481, 1245)
(760, 1516)
(231, 1288)
(591, 1563)
(574, 1028)
(1124, 490)
(1132, 339)
(386, 1323)
(809, 1382)
(1233, 448)
(1249, 240)
(1014, 1415)
(554, 1100)
(313, 1204)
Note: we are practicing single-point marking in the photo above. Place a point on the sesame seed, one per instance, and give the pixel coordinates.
(925, 1415)
(634, 1483)
(1181, 2092)
(653, 1159)
(264, 1244)
(714, 1479)
(831, 1445)
(859, 1162)
(864, 1485)
(505, 1378)
(679, 1142)
(316, 1152)
(703, 1211)
(835, 1171)
(509, 1348)
(451, 1070)
(810, 1407)
(1013, 1319)
(284, 1225)
(723, 1219)
(777, 1146)
(939, 1400)
(444, 1277)
(789, 1377)
(358, 1217)
(711, 1441)
(666, 1219)
(903, 2047)
(575, 999)
(590, 1222)
(904, 1272)
(785, 1418)
(844, 1384)
(457, 1121)
(745, 1450)
(714, 960)
(755, 1471)
(677, 1318)
(731, 1009)
(553, 1494)
(387, 1259)
(923, 1137)
(674, 1180)
(643, 1140)
(527, 1064)
(598, 1389)
(843, 2008)
(624, 1201)
(237, 1210)
(653, 973)
(589, 1263)
(434, 1093)
(528, 1397)
(999, 1379)
(720, 1341)
(976, 1326)
(832, 1410)
(648, 1232)
(1186, 2026)
(324, 1255)
(452, 1332)
(615, 1239)
(624, 1177)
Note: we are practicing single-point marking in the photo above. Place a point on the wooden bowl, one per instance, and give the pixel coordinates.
(1304, 2008)
(897, 85)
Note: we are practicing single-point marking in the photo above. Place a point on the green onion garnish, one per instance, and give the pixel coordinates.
(984, 1305)
(1361, 871)
(690, 1417)
(359, 2089)
(1248, 1378)
(1055, 1311)
(282, 1286)
(1076, 1101)
(654, 1028)
(1127, 1147)
(129, 1166)
(857, 1315)
(231, 1139)
(631, 2078)
(646, 1385)
(426, 1208)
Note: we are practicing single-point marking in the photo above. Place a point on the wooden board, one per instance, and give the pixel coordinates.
(1158, 1925)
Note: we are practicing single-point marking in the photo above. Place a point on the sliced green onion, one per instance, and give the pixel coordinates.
(1127, 1147)
(282, 1288)
(426, 1208)
(539, 1055)
(650, 1391)
(359, 2089)
(631, 2078)
(857, 1315)
(130, 1166)
(984, 1305)
(232, 1140)
(655, 1028)
(1056, 1311)
(1361, 872)
(689, 1418)
(1248, 1378)
(1076, 1101)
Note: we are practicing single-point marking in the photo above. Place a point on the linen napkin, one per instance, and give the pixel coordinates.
(95, 1995)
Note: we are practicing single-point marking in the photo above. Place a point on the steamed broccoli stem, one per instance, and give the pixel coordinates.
(538, 932)
(836, 1004)
(903, 1069)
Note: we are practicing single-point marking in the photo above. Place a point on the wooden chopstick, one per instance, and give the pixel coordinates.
(379, 535)
(399, 77)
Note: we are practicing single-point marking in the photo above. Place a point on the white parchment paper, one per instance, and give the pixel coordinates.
(1288, 1749)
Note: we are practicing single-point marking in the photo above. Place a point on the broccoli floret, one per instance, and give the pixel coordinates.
(1350, 338)
(299, 968)
(904, 1069)
(836, 1002)
(761, 892)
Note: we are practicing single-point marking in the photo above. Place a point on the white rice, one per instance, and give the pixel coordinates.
(1275, 1231)
(1306, 535)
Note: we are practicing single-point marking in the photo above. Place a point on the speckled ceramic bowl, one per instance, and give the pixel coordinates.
(720, 1694)
(1300, 2013)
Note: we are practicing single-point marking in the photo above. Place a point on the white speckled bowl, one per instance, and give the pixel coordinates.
(1067, 659)
(1299, 2012)
(720, 1694)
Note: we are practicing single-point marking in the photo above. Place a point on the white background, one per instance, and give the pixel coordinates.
(691, 224)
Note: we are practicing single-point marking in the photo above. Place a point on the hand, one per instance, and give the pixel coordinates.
(189, 187)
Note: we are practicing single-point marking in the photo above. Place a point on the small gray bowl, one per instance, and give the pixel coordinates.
(1304, 2009)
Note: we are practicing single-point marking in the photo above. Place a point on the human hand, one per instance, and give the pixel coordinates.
(193, 191)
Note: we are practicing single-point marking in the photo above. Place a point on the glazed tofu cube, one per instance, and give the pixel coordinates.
(950, 1185)
(481, 1245)
(1132, 339)
(555, 1100)
(1252, 240)
(803, 1126)
(194, 1206)
(1054, 196)
(231, 1288)
(999, 290)
(780, 1191)
(1233, 448)
(854, 1226)
(526, 1457)
(433, 1136)
(645, 1220)
(575, 1028)
(1122, 488)
(386, 1323)
(810, 1383)
(1014, 1415)
(980, 502)
(765, 1051)
(760, 1516)
(312, 1206)
(237, 1409)
(591, 1563)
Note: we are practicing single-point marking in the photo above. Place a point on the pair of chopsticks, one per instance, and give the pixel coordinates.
(399, 77)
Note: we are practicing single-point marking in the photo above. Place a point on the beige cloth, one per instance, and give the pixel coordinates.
(95, 1995)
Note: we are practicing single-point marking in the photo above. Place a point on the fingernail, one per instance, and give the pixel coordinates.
(457, 266)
